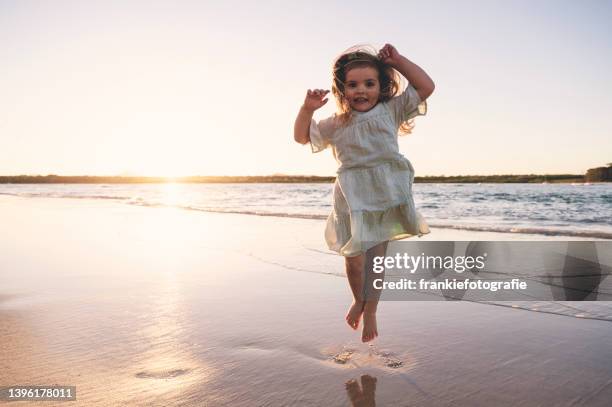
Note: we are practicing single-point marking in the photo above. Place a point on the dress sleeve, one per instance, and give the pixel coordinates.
(407, 105)
(321, 134)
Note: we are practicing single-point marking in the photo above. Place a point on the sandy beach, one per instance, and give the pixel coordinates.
(161, 306)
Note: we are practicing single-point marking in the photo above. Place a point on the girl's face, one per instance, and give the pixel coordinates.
(361, 88)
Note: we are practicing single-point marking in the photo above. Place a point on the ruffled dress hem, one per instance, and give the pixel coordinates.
(352, 235)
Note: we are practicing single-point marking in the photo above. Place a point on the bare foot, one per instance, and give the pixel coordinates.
(354, 314)
(370, 331)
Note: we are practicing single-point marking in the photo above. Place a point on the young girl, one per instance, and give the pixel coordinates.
(372, 200)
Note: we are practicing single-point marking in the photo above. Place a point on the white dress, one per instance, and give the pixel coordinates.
(372, 199)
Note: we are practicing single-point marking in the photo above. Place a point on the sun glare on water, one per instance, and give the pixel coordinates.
(172, 192)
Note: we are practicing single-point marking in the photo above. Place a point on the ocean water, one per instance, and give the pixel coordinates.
(582, 210)
(546, 209)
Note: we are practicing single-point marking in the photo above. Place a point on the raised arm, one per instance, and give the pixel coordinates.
(314, 100)
(417, 77)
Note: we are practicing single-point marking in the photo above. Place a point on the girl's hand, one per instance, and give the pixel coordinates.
(315, 99)
(389, 55)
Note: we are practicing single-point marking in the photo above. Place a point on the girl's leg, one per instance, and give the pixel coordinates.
(354, 273)
(372, 295)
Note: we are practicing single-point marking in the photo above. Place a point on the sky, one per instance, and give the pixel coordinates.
(172, 88)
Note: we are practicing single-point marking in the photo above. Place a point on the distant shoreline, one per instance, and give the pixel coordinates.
(85, 179)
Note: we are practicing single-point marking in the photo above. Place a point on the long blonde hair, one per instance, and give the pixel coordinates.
(359, 57)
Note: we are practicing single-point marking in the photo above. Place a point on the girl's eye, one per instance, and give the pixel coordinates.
(351, 85)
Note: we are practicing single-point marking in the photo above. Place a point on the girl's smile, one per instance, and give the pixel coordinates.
(361, 88)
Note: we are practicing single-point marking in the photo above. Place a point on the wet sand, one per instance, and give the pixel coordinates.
(156, 306)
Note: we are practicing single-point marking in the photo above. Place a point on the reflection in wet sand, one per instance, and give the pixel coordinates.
(164, 365)
(363, 395)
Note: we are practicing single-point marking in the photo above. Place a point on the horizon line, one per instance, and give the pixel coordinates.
(273, 175)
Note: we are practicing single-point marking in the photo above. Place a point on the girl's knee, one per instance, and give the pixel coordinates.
(354, 264)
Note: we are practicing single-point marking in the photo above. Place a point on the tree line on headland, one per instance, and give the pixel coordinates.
(600, 174)
(86, 179)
